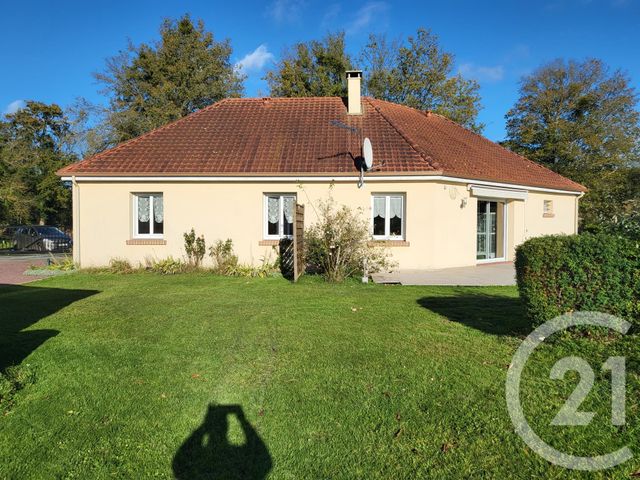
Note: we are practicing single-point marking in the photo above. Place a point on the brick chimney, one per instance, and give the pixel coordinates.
(354, 80)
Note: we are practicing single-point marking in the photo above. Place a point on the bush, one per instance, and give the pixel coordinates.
(224, 260)
(589, 272)
(61, 264)
(120, 265)
(265, 269)
(195, 248)
(167, 266)
(339, 244)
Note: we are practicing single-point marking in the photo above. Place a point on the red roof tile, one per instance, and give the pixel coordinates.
(314, 136)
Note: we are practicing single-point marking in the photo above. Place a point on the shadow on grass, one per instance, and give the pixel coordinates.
(21, 307)
(208, 454)
(494, 314)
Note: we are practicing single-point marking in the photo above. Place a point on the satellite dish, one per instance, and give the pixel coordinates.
(367, 153)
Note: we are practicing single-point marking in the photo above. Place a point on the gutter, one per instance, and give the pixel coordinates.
(311, 179)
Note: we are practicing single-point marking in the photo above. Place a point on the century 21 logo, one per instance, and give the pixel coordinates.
(569, 414)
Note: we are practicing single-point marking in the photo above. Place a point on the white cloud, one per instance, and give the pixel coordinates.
(482, 73)
(370, 13)
(285, 11)
(14, 106)
(255, 60)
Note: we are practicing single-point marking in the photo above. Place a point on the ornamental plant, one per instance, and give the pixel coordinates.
(339, 244)
(195, 248)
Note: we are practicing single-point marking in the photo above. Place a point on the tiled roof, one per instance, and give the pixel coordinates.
(314, 136)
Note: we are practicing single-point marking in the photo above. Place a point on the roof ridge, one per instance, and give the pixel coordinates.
(258, 99)
(528, 160)
(144, 135)
(427, 158)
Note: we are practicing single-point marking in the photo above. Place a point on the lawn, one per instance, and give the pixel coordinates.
(197, 376)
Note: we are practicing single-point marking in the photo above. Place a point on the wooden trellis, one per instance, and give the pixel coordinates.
(298, 243)
(292, 262)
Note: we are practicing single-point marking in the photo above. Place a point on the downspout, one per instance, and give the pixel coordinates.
(75, 200)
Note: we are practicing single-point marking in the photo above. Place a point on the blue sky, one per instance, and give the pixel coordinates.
(50, 48)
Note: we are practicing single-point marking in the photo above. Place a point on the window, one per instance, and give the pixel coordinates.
(547, 209)
(388, 217)
(279, 211)
(148, 215)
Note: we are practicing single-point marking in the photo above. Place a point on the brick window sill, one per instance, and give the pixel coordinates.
(390, 243)
(146, 241)
(548, 215)
(269, 243)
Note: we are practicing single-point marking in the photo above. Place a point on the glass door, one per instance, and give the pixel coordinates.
(487, 234)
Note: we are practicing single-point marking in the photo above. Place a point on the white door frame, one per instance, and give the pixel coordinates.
(505, 223)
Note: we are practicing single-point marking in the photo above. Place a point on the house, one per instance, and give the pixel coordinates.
(438, 195)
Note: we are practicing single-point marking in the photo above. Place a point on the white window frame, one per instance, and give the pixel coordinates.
(547, 208)
(387, 221)
(151, 195)
(265, 215)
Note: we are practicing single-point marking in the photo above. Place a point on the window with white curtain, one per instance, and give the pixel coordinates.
(148, 215)
(388, 216)
(279, 213)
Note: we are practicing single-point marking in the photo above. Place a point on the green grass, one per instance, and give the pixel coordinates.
(197, 376)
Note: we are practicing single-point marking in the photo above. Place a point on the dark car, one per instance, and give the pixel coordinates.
(42, 238)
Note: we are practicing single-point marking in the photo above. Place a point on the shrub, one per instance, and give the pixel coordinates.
(195, 248)
(339, 244)
(265, 269)
(589, 272)
(62, 264)
(167, 266)
(224, 260)
(120, 265)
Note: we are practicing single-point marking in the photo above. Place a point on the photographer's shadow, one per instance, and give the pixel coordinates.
(207, 453)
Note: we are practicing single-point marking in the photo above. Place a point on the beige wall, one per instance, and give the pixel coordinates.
(440, 218)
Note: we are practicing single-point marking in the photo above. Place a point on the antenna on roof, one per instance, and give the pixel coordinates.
(367, 160)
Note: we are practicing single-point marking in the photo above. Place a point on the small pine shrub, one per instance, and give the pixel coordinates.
(195, 248)
(589, 272)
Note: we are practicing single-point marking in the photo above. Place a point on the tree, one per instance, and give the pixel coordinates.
(32, 149)
(151, 85)
(580, 120)
(313, 69)
(418, 74)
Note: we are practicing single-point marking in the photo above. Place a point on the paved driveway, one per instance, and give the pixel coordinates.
(13, 266)
(487, 274)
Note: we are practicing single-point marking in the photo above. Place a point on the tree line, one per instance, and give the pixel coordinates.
(578, 118)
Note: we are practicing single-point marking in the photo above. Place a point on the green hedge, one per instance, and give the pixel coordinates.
(589, 272)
